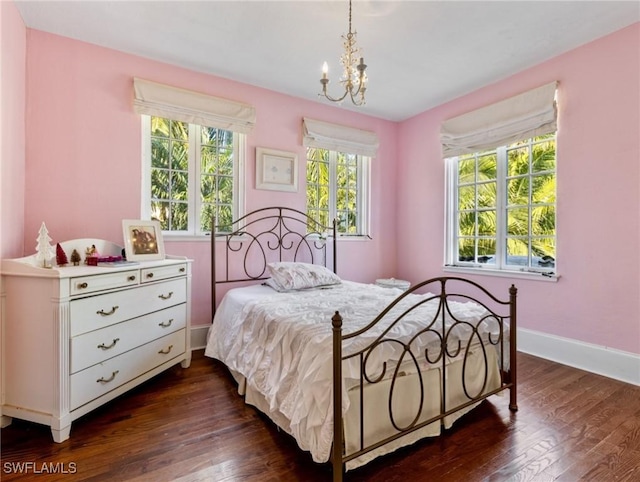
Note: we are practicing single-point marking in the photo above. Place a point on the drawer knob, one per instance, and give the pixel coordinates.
(106, 347)
(166, 297)
(107, 380)
(149, 275)
(168, 350)
(182, 270)
(83, 285)
(107, 313)
(165, 324)
(131, 278)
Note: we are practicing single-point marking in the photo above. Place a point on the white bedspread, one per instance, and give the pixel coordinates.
(282, 344)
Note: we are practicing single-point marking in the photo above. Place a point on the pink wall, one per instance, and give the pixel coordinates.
(83, 167)
(83, 172)
(13, 47)
(597, 299)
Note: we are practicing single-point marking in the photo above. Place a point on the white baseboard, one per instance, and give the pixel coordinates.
(601, 360)
(199, 336)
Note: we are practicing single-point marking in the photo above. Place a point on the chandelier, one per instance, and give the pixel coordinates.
(354, 77)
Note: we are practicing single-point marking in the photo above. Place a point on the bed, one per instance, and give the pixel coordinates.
(352, 371)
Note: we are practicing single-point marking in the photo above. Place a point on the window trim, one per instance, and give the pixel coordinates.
(195, 202)
(363, 199)
(451, 264)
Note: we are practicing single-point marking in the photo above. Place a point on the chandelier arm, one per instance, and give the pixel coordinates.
(354, 100)
(335, 99)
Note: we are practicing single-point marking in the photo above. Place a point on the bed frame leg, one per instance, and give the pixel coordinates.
(336, 322)
(513, 352)
(513, 405)
(337, 473)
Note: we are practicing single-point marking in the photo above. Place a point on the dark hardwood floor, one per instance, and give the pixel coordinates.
(190, 425)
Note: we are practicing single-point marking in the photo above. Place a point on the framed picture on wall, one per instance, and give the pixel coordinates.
(142, 240)
(276, 170)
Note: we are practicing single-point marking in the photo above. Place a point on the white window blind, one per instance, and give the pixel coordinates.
(151, 98)
(334, 137)
(530, 114)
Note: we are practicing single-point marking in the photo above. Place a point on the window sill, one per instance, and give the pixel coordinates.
(176, 238)
(354, 237)
(529, 275)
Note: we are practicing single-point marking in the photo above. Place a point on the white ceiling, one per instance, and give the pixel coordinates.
(420, 53)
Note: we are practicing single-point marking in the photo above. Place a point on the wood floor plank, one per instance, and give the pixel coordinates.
(191, 426)
(560, 455)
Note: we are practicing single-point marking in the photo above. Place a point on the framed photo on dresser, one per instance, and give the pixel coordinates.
(142, 240)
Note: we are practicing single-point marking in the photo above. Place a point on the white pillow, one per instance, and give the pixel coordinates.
(288, 276)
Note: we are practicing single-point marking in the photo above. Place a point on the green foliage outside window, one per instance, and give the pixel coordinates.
(216, 177)
(529, 203)
(318, 185)
(171, 145)
(347, 192)
(169, 173)
(333, 176)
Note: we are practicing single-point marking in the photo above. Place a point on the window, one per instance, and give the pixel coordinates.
(191, 173)
(337, 188)
(502, 207)
(501, 185)
(338, 166)
(193, 148)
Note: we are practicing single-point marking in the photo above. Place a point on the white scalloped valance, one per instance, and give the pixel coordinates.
(532, 113)
(334, 137)
(161, 100)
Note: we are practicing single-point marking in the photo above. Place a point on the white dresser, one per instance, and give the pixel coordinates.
(75, 337)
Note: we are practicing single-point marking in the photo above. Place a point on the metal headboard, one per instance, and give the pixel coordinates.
(269, 235)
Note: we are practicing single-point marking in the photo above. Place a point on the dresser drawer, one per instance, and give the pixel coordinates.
(99, 345)
(95, 312)
(162, 272)
(97, 380)
(100, 282)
